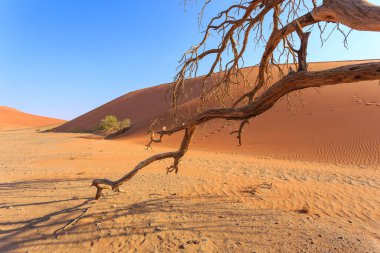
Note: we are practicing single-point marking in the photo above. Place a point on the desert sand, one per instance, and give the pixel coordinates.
(11, 119)
(305, 180)
(218, 202)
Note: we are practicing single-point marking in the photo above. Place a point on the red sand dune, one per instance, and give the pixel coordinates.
(338, 124)
(13, 119)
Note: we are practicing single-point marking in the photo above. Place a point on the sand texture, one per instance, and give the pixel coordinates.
(219, 202)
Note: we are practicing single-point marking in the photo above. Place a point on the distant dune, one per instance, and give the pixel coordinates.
(337, 124)
(11, 119)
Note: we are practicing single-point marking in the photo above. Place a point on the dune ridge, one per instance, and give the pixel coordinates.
(11, 119)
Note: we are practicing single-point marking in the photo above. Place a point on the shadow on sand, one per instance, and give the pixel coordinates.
(119, 217)
(189, 213)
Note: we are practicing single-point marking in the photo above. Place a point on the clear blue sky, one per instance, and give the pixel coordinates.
(62, 58)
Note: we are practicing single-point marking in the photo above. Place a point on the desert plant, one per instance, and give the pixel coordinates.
(239, 31)
(126, 123)
(110, 123)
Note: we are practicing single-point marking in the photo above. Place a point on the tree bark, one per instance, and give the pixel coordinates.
(356, 14)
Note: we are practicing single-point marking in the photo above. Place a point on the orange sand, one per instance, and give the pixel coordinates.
(337, 124)
(11, 119)
(218, 202)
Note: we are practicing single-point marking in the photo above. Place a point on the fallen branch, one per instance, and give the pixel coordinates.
(102, 184)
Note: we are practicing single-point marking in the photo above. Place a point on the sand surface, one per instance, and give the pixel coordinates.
(11, 119)
(218, 202)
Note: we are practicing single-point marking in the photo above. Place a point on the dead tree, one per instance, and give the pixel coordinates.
(240, 25)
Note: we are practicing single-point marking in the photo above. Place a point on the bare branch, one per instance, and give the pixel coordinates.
(240, 130)
(102, 184)
(297, 81)
(235, 26)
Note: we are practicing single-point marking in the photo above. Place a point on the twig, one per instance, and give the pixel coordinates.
(71, 223)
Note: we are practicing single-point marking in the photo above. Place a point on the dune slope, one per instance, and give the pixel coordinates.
(337, 124)
(11, 119)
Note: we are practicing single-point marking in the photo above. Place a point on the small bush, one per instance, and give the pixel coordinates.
(126, 123)
(111, 124)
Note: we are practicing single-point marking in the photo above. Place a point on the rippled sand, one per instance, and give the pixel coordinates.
(218, 202)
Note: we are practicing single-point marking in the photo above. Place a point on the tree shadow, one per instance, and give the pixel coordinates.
(118, 217)
(196, 214)
(21, 195)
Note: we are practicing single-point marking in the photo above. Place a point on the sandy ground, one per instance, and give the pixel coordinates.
(218, 202)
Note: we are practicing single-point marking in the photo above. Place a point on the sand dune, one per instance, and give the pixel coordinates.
(337, 124)
(11, 119)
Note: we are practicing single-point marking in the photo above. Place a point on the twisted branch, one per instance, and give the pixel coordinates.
(102, 184)
(235, 25)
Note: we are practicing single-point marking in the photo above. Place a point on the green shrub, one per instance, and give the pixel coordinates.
(126, 123)
(111, 124)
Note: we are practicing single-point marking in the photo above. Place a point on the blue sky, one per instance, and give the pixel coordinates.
(63, 58)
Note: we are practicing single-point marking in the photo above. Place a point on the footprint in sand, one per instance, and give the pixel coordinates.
(359, 100)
